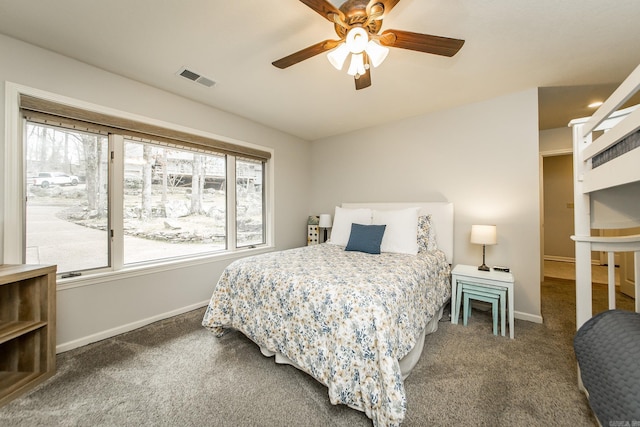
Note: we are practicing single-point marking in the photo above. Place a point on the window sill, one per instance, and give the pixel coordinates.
(89, 279)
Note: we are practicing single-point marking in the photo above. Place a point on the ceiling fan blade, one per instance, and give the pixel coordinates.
(364, 80)
(324, 8)
(306, 53)
(421, 42)
(386, 4)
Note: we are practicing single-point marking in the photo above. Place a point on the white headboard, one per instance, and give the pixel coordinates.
(441, 218)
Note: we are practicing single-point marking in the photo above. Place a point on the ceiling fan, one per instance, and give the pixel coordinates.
(357, 24)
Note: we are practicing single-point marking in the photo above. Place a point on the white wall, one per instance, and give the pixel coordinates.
(556, 140)
(110, 306)
(558, 207)
(482, 157)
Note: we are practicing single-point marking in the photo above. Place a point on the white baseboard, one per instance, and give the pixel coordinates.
(528, 317)
(559, 258)
(566, 259)
(70, 345)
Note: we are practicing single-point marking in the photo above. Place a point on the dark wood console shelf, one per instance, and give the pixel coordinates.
(27, 327)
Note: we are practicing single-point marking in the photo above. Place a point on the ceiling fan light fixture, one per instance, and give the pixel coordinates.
(356, 68)
(357, 39)
(376, 52)
(338, 56)
(357, 24)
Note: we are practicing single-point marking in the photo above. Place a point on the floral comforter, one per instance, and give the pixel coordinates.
(346, 318)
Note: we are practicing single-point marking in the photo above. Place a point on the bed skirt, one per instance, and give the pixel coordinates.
(407, 363)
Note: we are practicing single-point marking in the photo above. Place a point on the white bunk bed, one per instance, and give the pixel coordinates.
(606, 160)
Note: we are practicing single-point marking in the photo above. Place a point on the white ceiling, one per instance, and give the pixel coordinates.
(511, 45)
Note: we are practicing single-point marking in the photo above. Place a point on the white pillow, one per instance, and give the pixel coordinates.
(401, 234)
(342, 220)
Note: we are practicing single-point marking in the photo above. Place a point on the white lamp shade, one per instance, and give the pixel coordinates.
(483, 234)
(376, 52)
(338, 55)
(325, 221)
(356, 42)
(357, 65)
(357, 39)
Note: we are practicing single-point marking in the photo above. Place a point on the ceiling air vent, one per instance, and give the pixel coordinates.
(195, 77)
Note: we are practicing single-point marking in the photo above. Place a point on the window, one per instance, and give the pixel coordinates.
(174, 202)
(102, 194)
(67, 220)
(249, 203)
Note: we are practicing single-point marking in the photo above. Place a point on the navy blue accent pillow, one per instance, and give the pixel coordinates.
(365, 238)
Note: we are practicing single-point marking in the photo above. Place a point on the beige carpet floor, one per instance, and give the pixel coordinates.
(175, 373)
(567, 270)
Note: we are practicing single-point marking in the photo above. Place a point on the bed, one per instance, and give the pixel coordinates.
(355, 321)
(606, 159)
(606, 163)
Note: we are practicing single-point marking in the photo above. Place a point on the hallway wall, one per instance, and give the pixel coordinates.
(558, 207)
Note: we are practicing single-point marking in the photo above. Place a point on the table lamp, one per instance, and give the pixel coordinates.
(483, 235)
(325, 222)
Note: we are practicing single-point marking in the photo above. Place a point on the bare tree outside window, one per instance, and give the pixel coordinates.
(249, 202)
(67, 205)
(175, 205)
(174, 200)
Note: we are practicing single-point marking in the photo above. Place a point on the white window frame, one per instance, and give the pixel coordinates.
(14, 213)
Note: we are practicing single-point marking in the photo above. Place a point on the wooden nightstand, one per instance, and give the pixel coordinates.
(488, 279)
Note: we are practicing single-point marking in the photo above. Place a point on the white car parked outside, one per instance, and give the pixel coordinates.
(46, 179)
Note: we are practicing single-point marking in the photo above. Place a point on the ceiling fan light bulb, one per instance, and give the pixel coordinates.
(338, 55)
(357, 39)
(376, 52)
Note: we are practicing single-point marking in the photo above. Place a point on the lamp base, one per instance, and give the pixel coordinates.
(483, 268)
